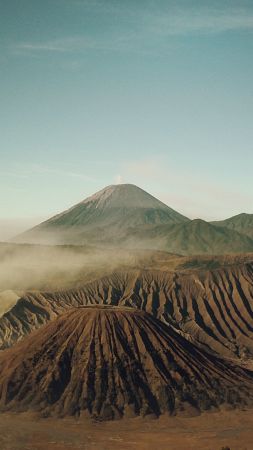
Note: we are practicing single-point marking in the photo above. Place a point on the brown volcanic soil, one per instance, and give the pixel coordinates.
(113, 362)
(233, 429)
(211, 307)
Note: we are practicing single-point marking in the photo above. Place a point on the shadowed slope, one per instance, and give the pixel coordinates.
(112, 362)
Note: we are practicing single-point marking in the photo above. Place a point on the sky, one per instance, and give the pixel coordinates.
(98, 92)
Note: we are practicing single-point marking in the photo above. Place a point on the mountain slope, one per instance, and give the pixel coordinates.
(243, 223)
(192, 237)
(126, 216)
(111, 362)
(107, 213)
(212, 307)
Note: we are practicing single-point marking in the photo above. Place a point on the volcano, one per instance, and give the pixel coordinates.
(113, 362)
(125, 216)
(105, 217)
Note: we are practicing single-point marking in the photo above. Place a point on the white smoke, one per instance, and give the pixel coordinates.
(118, 179)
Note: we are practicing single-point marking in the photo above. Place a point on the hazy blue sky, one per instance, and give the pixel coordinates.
(156, 93)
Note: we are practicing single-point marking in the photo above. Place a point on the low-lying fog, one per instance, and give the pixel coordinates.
(29, 267)
(14, 227)
(26, 267)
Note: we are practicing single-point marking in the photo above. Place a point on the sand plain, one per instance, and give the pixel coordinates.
(210, 431)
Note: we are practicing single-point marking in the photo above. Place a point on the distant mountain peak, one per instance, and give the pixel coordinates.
(124, 215)
(105, 216)
(124, 195)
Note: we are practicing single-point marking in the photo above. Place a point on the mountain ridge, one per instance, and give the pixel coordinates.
(212, 306)
(125, 215)
(242, 223)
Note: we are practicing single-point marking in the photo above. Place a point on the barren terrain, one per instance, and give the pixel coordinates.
(210, 431)
(205, 300)
(112, 362)
(212, 306)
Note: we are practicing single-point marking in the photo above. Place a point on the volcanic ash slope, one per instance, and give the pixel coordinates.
(112, 362)
(213, 307)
